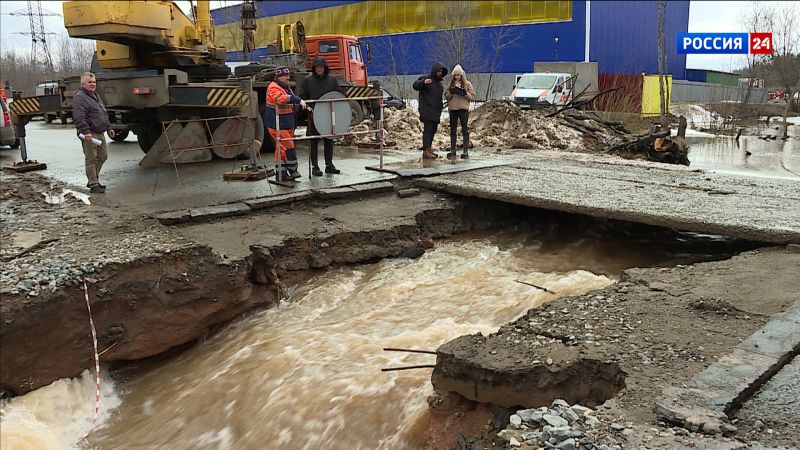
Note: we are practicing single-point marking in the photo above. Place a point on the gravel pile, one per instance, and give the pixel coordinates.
(561, 426)
(74, 239)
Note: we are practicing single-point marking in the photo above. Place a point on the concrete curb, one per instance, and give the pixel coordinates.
(249, 206)
(724, 386)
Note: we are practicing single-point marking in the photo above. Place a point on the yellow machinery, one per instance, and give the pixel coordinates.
(145, 34)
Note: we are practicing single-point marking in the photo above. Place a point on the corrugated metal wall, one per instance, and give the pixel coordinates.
(624, 36)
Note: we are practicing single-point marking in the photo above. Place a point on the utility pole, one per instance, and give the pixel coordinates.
(40, 52)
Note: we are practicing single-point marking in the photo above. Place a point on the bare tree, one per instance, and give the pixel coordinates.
(456, 43)
(499, 40)
(755, 18)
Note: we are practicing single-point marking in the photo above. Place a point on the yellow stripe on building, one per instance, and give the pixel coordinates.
(380, 17)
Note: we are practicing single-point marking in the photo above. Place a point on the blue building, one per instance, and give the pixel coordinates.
(497, 36)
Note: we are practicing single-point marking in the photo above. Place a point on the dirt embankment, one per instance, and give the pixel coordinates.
(501, 124)
(656, 328)
(153, 288)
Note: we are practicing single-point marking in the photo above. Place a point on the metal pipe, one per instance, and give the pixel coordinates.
(346, 99)
(390, 369)
(321, 136)
(380, 131)
(392, 349)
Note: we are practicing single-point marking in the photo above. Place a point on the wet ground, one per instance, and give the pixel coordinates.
(756, 154)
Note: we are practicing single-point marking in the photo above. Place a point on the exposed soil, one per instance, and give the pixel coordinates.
(659, 327)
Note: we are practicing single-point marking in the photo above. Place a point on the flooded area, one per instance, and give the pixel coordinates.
(306, 374)
(760, 152)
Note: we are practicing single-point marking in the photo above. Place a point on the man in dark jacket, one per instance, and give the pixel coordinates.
(91, 120)
(313, 87)
(430, 106)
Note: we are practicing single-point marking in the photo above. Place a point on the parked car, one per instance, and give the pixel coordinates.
(7, 135)
(537, 90)
(390, 100)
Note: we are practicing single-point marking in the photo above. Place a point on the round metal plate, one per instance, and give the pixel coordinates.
(341, 114)
(230, 135)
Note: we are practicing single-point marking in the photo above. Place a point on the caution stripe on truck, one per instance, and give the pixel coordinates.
(25, 106)
(360, 91)
(227, 97)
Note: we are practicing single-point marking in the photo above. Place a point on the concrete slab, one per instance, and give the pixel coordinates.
(268, 202)
(337, 192)
(759, 209)
(722, 388)
(215, 212)
(173, 217)
(378, 186)
(424, 168)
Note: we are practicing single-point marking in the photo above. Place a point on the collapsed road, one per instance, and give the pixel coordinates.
(155, 288)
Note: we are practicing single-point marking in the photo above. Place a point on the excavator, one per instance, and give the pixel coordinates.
(162, 77)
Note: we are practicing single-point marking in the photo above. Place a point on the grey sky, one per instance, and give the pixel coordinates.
(704, 16)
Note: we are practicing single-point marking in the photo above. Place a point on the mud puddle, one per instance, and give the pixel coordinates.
(306, 374)
(57, 198)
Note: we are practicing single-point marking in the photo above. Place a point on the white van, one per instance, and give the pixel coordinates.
(539, 90)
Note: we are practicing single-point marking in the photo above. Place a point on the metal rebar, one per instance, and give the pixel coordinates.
(391, 349)
(390, 369)
(537, 287)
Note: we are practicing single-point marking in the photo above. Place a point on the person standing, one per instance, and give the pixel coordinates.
(430, 106)
(459, 93)
(313, 87)
(91, 120)
(281, 103)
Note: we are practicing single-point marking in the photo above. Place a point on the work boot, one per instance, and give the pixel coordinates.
(97, 189)
(332, 170)
(429, 154)
(294, 174)
(316, 171)
(89, 185)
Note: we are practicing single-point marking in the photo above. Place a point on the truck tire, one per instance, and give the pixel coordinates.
(63, 118)
(148, 135)
(15, 144)
(120, 135)
(248, 70)
(358, 113)
(48, 118)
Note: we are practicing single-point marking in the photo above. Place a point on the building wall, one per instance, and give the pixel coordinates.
(624, 36)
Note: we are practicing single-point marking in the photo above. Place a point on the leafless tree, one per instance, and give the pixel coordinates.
(755, 18)
(499, 40)
(457, 43)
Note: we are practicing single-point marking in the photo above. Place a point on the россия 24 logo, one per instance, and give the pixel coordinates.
(725, 43)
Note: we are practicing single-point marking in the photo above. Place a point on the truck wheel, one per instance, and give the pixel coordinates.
(15, 144)
(120, 135)
(148, 135)
(357, 111)
(48, 118)
(63, 118)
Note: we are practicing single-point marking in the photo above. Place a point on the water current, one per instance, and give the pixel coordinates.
(306, 374)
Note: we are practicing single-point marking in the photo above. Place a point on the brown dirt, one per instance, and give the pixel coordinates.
(496, 124)
(661, 326)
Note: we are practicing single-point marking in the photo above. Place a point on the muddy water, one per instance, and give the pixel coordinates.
(767, 158)
(306, 374)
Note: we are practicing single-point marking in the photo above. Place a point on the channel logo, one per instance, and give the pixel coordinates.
(725, 43)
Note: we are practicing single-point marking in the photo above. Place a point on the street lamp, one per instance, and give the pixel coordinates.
(556, 42)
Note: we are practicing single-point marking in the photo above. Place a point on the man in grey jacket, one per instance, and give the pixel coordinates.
(91, 120)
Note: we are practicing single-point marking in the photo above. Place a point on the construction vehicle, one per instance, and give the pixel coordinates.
(343, 54)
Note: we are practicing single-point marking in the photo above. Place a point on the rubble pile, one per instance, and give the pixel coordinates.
(561, 426)
(497, 124)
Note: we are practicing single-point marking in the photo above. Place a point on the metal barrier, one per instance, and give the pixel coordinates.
(378, 131)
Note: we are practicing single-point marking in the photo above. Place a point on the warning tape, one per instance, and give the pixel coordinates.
(96, 364)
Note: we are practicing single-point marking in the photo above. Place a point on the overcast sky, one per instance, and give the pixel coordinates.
(704, 16)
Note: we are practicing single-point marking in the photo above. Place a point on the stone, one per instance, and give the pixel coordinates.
(514, 442)
(537, 416)
(568, 444)
(758, 424)
(570, 415)
(214, 212)
(617, 427)
(413, 252)
(580, 410)
(173, 217)
(628, 431)
(525, 414)
(591, 421)
(555, 421)
(335, 192)
(515, 420)
(267, 202)
(410, 192)
(559, 402)
(561, 433)
(531, 436)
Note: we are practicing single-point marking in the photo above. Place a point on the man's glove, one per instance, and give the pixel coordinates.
(303, 104)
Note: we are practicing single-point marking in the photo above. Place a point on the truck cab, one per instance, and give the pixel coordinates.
(539, 90)
(343, 55)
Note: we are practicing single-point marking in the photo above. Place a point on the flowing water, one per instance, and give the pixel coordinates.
(306, 374)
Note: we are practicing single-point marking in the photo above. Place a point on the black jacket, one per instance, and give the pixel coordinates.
(314, 86)
(430, 95)
(89, 113)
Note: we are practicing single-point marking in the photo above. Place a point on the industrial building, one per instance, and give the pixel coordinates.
(499, 37)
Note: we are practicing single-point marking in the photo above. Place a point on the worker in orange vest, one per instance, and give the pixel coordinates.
(281, 101)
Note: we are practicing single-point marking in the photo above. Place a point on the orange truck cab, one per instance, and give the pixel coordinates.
(343, 55)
